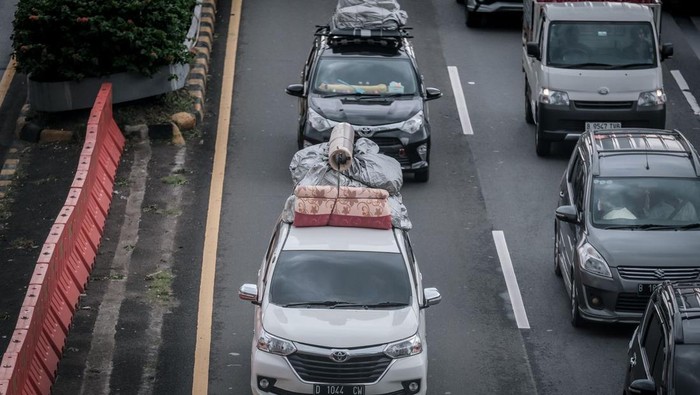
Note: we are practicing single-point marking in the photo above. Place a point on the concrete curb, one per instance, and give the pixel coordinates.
(197, 78)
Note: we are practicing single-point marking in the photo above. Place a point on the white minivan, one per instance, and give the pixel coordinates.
(592, 65)
(339, 310)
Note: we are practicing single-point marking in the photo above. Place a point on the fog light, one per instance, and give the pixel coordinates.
(423, 151)
(412, 386)
(264, 383)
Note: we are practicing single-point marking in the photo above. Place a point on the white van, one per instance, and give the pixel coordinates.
(591, 66)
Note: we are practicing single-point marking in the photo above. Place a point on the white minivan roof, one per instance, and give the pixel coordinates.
(334, 238)
(599, 11)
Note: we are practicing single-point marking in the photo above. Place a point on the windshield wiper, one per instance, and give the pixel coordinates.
(631, 65)
(695, 225)
(656, 227)
(328, 303)
(386, 304)
(582, 65)
(337, 94)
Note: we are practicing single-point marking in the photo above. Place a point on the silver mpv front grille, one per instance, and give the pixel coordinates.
(362, 366)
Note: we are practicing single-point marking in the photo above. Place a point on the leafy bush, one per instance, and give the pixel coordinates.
(68, 40)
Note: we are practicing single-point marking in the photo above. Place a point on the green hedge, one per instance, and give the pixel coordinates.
(68, 40)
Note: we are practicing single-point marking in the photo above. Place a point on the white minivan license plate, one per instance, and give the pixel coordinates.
(602, 125)
(326, 389)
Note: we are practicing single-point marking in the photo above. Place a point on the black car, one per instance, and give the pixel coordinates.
(369, 79)
(664, 353)
(627, 220)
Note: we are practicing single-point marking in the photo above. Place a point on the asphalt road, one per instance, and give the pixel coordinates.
(489, 181)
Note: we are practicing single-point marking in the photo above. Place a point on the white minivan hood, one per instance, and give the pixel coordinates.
(340, 328)
(622, 85)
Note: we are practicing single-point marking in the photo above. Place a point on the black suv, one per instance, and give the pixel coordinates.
(664, 353)
(369, 79)
(627, 220)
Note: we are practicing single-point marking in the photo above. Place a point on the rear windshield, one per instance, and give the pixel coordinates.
(365, 76)
(364, 278)
(601, 45)
(687, 368)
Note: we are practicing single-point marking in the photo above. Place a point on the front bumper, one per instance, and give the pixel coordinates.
(287, 382)
(412, 151)
(618, 299)
(559, 123)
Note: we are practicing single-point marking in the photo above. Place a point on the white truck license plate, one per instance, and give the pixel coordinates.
(602, 125)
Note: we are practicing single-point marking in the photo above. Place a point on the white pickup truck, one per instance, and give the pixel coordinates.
(592, 65)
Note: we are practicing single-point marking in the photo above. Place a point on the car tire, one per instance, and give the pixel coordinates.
(421, 175)
(460, 1)
(528, 106)
(557, 266)
(473, 19)
(542, 146)
(576, 319)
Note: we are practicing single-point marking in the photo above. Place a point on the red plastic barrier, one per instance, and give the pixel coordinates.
(30, 362)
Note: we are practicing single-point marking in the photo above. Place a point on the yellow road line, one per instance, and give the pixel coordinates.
(7, 79)
(200, 382)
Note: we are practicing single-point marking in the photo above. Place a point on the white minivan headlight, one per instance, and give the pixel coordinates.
(651, 98)
(592, 262)
(413, 124)
(274, 345)
(319, 122)
(555, 98)
(404, 348)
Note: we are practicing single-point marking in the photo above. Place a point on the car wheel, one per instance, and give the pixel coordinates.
(460, 1)
(422, 175)
(528, 106)
(542, 146)
(576, 319)
(557, 267)
(473, 19)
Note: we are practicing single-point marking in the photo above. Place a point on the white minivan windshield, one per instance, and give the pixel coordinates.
(601, 45)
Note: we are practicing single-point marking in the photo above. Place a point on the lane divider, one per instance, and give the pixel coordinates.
(30, 363)
(461, 103)
(516, 299)
(686, 91)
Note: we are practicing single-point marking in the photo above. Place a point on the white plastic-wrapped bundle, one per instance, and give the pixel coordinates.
(369, 14)
(369, 168)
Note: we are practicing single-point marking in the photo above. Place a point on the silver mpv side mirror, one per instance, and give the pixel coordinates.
(248, 292)
(431, 296)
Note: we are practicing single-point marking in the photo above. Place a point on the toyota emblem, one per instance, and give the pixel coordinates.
(603, 91)
(339, 355)
(364, 131)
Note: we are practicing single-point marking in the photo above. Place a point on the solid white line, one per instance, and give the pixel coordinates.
(516, 300)
(686, 91)
(459, 100)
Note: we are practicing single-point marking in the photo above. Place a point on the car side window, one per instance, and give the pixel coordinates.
(578, 182)
(654, 346)
(270, 251)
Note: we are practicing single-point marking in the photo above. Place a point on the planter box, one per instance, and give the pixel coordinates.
(76, 95)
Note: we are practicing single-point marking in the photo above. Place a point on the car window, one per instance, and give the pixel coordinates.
(653, 344)
(372, 76)
(645, 201)
(608, 45)
(366, 278)
(686, 378)
(578, 182)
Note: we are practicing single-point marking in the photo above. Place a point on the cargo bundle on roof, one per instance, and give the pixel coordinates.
(368, 14)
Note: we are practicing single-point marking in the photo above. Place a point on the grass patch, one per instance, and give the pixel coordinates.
(122, 182)
(22, 243)
(153, 110)
(160, 285)
(175, 179)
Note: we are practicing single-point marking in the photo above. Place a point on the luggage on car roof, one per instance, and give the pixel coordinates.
(368, 14)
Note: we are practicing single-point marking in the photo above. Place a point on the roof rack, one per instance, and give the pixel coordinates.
(385, 38)
(644, 134)
(675, 298)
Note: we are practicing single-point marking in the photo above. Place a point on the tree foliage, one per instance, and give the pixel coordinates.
(59, 40)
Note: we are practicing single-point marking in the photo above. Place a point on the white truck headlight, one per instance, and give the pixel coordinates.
(592, 262)
(555, 98)
(404, 348)
(275, 345)
(413, 124)
(651, 98)
(318, 122)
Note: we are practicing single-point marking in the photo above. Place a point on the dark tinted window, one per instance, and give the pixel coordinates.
(645, 201)
(578, 182)
(653, 345)
(371, 76)
(687, 369)
(342, 276)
